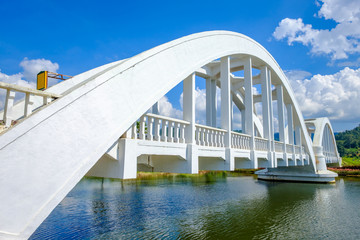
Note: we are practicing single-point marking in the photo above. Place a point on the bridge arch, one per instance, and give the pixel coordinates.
(100, 106)
(323, 135)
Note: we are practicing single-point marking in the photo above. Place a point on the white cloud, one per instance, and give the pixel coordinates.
(27, 78)
(167, 109)
(335, 96)
(338, 42)
(34, 66)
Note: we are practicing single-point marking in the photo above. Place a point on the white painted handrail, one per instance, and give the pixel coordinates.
(209, 136)
(261, 144)
(240, 140)
(158, 128)
(11, 90)
(279, 146)
(289, 148)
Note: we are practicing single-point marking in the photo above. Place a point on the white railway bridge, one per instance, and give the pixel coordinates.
(87, 125)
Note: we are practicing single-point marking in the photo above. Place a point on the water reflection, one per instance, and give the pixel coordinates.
(213, 208)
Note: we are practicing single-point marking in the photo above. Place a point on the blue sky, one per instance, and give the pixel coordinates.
(80, 35)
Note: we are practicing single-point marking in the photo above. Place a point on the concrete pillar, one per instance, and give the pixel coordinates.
(289, 110)
(226, 106)
(208, 102)
(298, 141)
(271, 121)
(189, 115)
(127, 156)
(189, 107)
(242, 120)
(231, 112)
(265, 110)
(249, 109)
(320, 158)
(211, 102)
(225, 99)
(280, 104)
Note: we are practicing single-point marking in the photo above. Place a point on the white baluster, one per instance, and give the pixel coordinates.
(170, 132)
(163, 131)
(176, 132)
(28, 104)
(142, 128)
(182, 133)
(157, 130)
(133, 131)
(9, 103)
(150, 128)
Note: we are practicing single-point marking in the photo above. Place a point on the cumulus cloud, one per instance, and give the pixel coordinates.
(34, 66)
(335, 96)
(27, 77)
(337, 42)
(167, 109)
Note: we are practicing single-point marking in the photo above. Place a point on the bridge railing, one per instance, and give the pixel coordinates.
(158, 128)
(279, 146)
(209, 136)
(240, 140)
(261, 144)
(289, 148)
(12, 89)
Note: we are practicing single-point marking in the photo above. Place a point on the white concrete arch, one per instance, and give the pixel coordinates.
(324, 137)
(44, 156)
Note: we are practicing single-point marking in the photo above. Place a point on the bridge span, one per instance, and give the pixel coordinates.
(98, 123)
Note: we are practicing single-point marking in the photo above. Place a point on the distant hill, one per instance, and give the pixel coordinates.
(348, 142)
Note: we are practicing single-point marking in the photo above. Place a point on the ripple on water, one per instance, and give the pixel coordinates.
(230, 208)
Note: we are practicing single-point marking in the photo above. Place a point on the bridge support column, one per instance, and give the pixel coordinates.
(298, 142)
(289, 110)
(189, 115)
(127, 156)
(280, 106)
(249, 110)
(226, 110)
(271, 118)
(320, 158)
(211, 102)
(265, 98)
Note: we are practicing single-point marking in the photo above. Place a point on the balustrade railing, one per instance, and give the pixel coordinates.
(154, 127)
(209, 136)
(289, 148)
(279, 146)
(12, 89)
(158, 128)
(240, 140)
(261, 144)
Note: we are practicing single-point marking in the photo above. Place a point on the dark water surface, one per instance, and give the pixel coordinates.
(225, 208)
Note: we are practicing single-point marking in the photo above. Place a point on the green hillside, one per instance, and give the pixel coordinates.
(348, 144)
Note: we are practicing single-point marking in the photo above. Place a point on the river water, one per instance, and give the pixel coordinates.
(232, 207)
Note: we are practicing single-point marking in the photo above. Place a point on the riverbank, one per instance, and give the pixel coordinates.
(347, 171)
(207, 175)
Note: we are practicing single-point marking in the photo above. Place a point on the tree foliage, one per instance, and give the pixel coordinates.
(348, 142)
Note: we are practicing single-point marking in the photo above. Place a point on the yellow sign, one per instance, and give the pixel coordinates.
(42, 80)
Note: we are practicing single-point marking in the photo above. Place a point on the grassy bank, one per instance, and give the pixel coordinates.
(205, 175)
(349, 171)
(350, 161)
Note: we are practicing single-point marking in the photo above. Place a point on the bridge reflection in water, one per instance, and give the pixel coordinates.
(226, 208)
